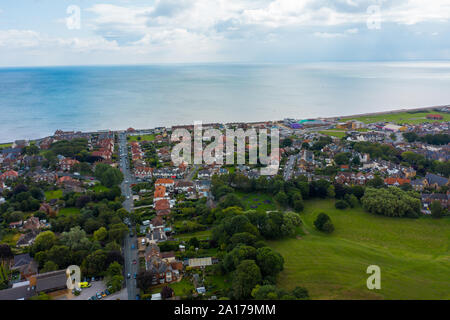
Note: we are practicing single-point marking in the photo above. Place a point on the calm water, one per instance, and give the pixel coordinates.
(34, 102)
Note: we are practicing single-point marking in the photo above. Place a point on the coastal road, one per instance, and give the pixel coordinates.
(130, 254)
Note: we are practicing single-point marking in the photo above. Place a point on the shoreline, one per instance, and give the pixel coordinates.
(273, 121)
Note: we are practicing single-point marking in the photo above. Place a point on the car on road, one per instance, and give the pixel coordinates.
(131, 234)
(107, 292)
(99, 296)
(138, 297)
(128, 276)
(135, 275)
(93, 298)
(103, 294)
(132, 246)
(134, 261)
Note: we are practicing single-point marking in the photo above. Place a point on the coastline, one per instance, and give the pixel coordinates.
(274, 121)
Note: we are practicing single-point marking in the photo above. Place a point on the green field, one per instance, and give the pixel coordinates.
(100, 188)
(55, 194)
(69, 211)
(401, 117)
(258, 201)
(145, 137)
(5, 145)
(334, 133)
(413, 255)
(200, 235)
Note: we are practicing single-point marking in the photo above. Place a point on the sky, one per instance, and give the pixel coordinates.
(91, 32)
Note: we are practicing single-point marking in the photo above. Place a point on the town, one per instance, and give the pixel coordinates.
(142, 228)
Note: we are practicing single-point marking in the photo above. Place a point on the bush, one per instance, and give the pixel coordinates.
(323, 223)
(341, 204)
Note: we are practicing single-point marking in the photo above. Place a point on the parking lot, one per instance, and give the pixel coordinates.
(97, 286)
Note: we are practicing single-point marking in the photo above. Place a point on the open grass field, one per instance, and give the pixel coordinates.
(413, 254)
(257, 201)
(145, 137)
(402, 117)
(5, 145)
(100, 188)
(200, 235)
(56, 194)
(69, 211)
(334, 133)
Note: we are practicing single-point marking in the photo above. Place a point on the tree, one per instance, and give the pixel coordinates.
(114, 269)
(436, 209)
(342, 158)
(108, 175)
(167, 293)
(300, 293)
(193, 242)
(323, 223)
(341, 204)
(117, 232)
(100, 234)
(76, 239)
(5, 252)
(44, 241)
(392, 202)
(95, 263)
(269, 261)
(49, 266)
(281, 198)
(144, 280)
(245, 278)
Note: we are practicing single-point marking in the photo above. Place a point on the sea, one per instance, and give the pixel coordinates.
(34, 102)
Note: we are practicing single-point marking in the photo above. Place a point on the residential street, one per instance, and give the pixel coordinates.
(130, 254)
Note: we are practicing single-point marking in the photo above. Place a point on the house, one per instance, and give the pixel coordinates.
(45, 282)
(143, 172)
(9, 175)
(67, 164)
(418, 184)
(162, 270)
(396, 181)
(160, 194)
(24, 264)
(435, 181)
(434, 117)
(168, 183)
(204, 174)
(183, 186)
(428, 199)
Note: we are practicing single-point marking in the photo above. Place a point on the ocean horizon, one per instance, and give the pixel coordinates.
(36, 101)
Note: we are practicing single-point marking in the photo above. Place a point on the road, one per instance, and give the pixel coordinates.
(289, 168)
(130, 255)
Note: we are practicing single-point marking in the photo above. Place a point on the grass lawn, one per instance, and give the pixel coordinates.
(5, 145)
(219, 282)
(56, 194)
(180, 288)
(145, 137)
(402, 117)
(10, 239)
(100, 188)
(200, 235)
(258, 201)
(334, 133)
(413, 255)
(69, 211)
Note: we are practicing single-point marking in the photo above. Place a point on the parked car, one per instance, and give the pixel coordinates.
(135, 275)
(134, 261)
(138, 297)
(103, 294)
(107, 292)
(132, 246)
(93, 298)
(128, 276)
(99, 296)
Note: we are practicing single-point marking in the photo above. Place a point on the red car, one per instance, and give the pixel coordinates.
(134, 261)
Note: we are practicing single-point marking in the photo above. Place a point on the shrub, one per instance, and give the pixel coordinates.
(341, 204)
(323, 223)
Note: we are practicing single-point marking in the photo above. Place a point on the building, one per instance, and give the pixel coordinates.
(435, 117)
